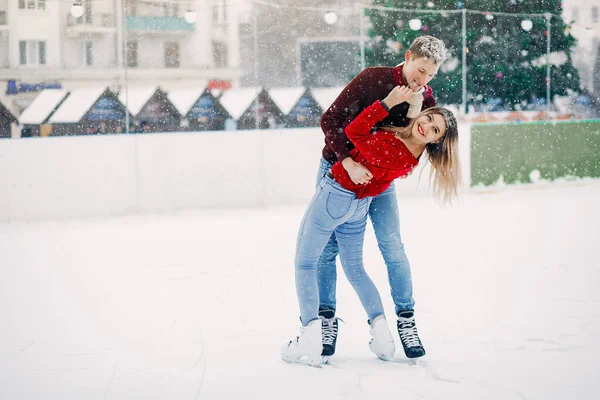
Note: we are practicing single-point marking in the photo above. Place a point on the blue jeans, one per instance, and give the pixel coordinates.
(333, 209)
(383, 212)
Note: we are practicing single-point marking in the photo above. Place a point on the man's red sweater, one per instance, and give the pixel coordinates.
(370, 85)
(386, 156)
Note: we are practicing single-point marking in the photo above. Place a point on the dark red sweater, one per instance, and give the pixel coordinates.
(370, 85)
(386, 156)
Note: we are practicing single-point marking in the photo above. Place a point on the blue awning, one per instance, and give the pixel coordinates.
(306, 106)
(204, 107)
(105, 109)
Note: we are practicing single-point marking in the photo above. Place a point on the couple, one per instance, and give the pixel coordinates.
(375, 133)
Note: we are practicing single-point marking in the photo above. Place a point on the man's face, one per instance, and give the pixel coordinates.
(418, 71)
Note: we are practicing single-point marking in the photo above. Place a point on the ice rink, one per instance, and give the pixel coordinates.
(196, 305)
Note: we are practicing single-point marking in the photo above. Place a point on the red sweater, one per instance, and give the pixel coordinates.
(386, 156)
(370, 85)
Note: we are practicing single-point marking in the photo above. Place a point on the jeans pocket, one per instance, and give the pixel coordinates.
(337, 206)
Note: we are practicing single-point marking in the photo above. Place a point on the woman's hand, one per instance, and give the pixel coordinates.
(398, 95)
(359, 174)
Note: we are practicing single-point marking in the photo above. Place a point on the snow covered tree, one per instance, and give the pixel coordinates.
(505, 62)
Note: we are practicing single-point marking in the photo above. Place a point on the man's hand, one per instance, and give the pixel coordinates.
(398, 95)
(359, 174)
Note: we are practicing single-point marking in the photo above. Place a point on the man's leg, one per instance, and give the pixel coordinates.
(386, 224)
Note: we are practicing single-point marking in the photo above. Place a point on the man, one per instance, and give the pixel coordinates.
(422, 61)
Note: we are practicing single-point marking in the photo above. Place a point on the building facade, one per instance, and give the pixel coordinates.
(170, 43)
(583, 17)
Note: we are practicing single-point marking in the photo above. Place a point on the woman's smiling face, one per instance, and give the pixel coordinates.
(429, 128)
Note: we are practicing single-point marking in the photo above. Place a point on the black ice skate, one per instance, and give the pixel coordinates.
(407, 330)
(329, 331)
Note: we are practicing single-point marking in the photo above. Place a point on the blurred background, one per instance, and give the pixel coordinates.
(142, 66)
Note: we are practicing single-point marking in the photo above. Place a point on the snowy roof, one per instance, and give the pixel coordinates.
(237, 101)
(326, 96)
(42, 106)
(76, 105)
(184, 98)
(136, 98)
(286, 98)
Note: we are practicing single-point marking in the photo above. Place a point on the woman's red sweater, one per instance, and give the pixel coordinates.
(385, 155)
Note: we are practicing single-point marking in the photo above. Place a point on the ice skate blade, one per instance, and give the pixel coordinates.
(304, 360)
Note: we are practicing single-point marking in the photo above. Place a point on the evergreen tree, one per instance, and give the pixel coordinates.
(503, 60)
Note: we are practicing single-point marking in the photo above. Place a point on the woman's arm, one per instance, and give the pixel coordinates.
(361, 126)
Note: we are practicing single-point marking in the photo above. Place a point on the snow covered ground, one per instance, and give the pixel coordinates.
(196, 305)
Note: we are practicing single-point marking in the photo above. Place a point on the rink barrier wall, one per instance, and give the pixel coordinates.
(87, 176)
(513, 153)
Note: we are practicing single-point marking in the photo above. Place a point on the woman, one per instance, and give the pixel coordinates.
(341, 206)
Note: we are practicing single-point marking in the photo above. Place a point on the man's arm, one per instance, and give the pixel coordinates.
(347, 106)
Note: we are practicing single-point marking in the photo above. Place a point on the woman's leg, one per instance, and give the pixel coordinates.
(330, 207)
(350, 237)
(326, 267)
(384, 215)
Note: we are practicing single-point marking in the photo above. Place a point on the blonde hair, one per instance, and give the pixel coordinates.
(443, 155)
(429, 47)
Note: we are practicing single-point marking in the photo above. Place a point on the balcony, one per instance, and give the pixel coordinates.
(156, 25)
(98, 23)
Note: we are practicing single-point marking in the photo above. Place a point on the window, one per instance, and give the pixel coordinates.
(131, 10)
(86, 54)
(171, 10)
(594, 14)
(42, 52)
(32, 52)
(132, 54)
(2, 17)
(87, 15)
(172, 54)
(32, 4)
(220, 11)
(220, 54)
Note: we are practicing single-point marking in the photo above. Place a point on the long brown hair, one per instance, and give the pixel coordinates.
(443, 155)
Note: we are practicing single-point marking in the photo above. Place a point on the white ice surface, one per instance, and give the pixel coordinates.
(196, 305)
